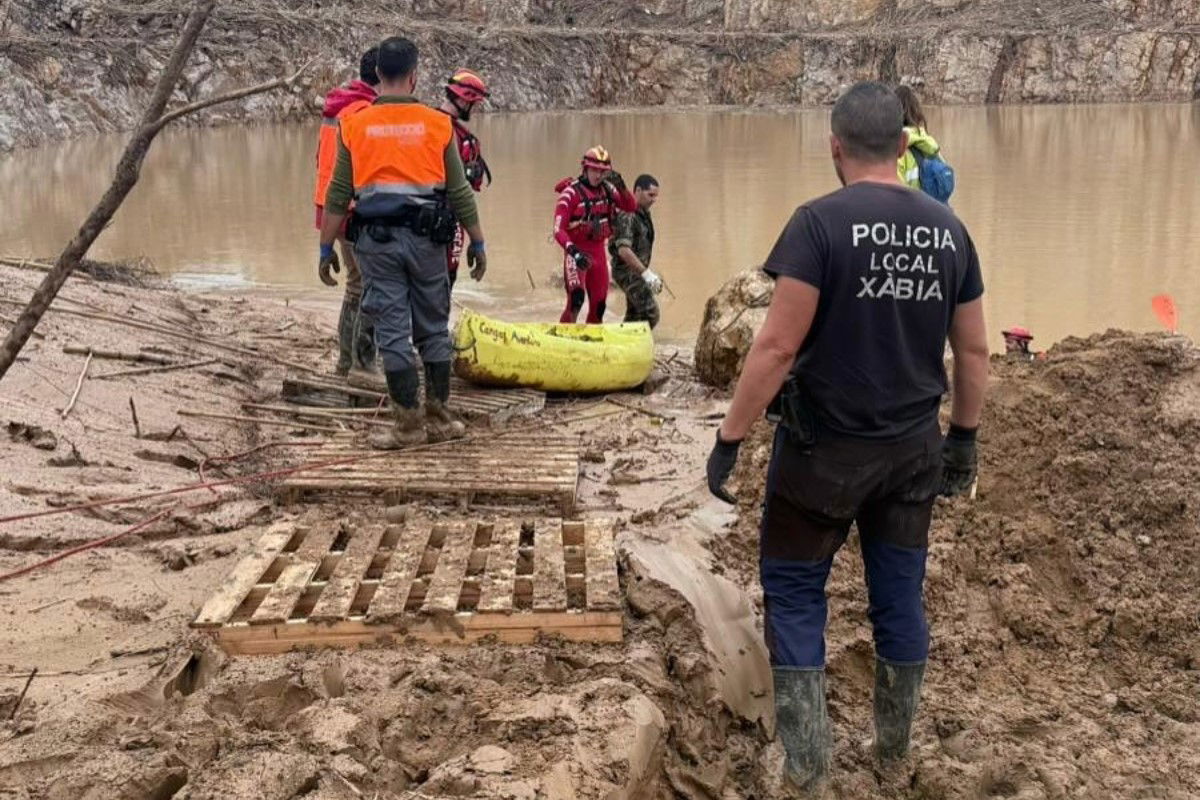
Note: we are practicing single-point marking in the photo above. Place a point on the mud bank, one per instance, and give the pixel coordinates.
(1066, 659)
(1066, 656)
(72, 67)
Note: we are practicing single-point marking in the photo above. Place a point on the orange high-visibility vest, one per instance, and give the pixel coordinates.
(397, 153)
(327, 148)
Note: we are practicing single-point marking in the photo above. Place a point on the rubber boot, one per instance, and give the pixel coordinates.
(897, 691)
(403, 387)
(364, 343)
(440, 422)
(347, 322)
(802, 724)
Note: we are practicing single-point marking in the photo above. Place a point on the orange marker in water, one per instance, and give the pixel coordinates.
(1164, 309)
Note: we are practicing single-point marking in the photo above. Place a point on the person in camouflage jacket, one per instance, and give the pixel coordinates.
(630, 249)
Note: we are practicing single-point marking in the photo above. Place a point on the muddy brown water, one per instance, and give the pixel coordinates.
(1080, 214)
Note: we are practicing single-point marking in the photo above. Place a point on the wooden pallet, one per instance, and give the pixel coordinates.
(348, 584)
(533, 466)
(472, 402)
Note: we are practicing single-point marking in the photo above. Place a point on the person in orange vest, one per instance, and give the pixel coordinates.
(356, 337)
(584, 217)
(464, 91)
(398, 162)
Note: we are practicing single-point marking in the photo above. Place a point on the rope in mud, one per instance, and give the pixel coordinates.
(88, 546)
(280, 473)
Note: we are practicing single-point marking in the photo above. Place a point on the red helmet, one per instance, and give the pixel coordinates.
(597, 158)
(467, 86)
(1017, 332)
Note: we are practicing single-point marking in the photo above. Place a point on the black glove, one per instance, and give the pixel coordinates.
(477, 260)
(721, 462)
(582, 260)
(959, 461)
(329, 261)
(617, 182)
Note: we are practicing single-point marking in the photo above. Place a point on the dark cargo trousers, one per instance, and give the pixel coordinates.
(814, 493)
(640, 304)
(406, 293)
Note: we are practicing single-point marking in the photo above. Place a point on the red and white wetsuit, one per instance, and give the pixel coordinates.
(584, 217)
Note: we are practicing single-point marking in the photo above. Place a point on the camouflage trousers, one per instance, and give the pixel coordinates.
(640, 304)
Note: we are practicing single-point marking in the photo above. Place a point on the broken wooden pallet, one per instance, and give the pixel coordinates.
(529, 466)
(351, 584)
(472, 402)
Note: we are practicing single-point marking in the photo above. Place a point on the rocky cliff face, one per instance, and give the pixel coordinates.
(69, 67)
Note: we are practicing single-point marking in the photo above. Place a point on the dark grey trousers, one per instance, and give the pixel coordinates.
(406, 292)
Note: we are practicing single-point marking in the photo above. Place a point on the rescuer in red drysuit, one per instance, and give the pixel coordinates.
(583, 221)
(464, 91)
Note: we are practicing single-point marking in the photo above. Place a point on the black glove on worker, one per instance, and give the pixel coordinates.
(959, 461)
(721, 462)
(582, 260)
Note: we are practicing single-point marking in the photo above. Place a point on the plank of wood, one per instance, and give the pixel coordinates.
(118, 355)
(492, 468)
(507, 628)
(312, 412)
(279, 603)
(183, 412)
(245, 575)
(549, 569)
(438, 483)
(446, 585)
(364, 540)
(317, 541)
(603, 588)
(338, 595)
(449, 474)
(496, 587)
(550, 487)
(392, 594)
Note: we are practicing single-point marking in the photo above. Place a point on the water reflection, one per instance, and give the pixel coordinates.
(1080, 214)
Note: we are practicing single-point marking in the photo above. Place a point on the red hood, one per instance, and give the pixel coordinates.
(564, 183)
(342, 96)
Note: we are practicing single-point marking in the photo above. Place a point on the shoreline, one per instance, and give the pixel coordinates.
(1022, 593)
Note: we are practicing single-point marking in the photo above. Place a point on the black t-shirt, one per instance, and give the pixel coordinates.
(892, 264)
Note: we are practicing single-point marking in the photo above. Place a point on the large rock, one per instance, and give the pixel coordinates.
(731, 319)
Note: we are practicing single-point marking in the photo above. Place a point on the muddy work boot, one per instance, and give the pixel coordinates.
(441, 423)
(802, 724)
(364, 343)
(897, 691)
(403, 386)
(409, 430)
(347, 322)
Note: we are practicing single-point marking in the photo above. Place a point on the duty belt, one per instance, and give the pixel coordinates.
(437, 222)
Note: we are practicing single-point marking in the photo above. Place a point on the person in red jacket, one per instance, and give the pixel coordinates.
(583, 221)
(356, 334)
(464, 91)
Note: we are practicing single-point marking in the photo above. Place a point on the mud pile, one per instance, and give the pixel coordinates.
(1066, 643)
(546, 721)
(1066, 659)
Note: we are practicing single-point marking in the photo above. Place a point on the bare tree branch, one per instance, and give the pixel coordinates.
(229, 97)
(127, 174)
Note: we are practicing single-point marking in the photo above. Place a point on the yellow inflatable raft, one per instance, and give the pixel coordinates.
(552, 357)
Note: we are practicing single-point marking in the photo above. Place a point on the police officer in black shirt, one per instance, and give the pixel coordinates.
(870, 282)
